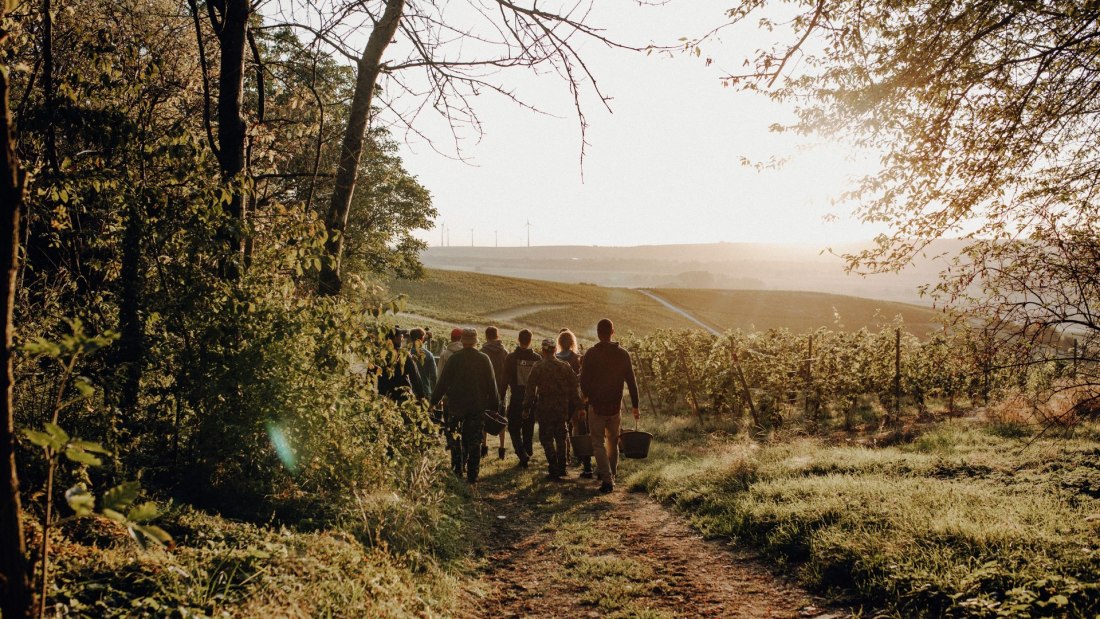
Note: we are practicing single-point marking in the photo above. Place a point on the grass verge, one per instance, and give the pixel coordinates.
(966, 520)
(397, 559)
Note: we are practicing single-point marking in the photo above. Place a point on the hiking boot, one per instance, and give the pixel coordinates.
(522, 464)
(500, 453)
(606, 487)
(553, 477)
(586, 474)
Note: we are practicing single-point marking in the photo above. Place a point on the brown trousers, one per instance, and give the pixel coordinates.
(604, 430)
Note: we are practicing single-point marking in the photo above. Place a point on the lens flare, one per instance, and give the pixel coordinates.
(282, 447)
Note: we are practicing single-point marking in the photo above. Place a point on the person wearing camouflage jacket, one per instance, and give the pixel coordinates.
(552, 390)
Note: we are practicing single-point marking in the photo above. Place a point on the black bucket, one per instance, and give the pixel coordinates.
(494, 422)
(634, 443)
(582, 445)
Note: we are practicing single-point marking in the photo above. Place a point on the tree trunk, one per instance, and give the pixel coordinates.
(130, 350)
(232, 130)
(370, 65)
(15, 586)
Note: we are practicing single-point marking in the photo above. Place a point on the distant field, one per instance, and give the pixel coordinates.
(759, 310)
(462, 297)
(476, 299)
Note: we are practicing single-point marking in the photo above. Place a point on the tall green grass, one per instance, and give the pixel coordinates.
(964, 521)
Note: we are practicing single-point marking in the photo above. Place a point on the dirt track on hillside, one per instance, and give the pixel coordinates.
(559, 549)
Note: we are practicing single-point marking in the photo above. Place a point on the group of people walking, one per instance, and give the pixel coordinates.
(562, 391)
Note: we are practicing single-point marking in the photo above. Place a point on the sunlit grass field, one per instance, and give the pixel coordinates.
(467, 298)
(966, 520)
(759, 310)
(462, 297)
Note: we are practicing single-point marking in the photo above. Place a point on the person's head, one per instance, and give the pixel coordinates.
(524, 338)
(427, 334)
(468, 337)
(548, 348)
(604, 330)
(567, 341)
(456, 334)
(397, 335)
(416, 337)
(491, 334)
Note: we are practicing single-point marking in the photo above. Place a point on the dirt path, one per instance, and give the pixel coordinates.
(559, 549)
(681, 311)
(514, 313)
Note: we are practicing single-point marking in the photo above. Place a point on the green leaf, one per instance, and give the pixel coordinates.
(92, 447)
(146, 534)
(38, 438)
(80, 456)
(42, 347)
(121, 496)
(143, 513)
(113, 515)
(80, 500)
(56, 433)
(84, 386)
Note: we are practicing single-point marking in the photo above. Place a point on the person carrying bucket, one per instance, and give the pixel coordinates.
(552, 391)
(605, 369)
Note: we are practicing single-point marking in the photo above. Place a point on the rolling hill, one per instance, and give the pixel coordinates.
(731, 266)
(465, 298)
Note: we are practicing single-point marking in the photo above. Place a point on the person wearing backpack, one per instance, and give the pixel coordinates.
(494, 349)
(468, 383)
(517, 370)
(606, 368)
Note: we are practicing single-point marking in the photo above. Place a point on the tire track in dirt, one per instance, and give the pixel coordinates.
(681, 311)
(559, 549)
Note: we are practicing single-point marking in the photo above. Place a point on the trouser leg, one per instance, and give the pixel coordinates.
(547, 439)
(473, 432)
(599, 445)
(605, 444)
(528, 432)
(561, 441)
(612, 432)
(454, 444)
(515, 429)
(552, 435)
(580, 428)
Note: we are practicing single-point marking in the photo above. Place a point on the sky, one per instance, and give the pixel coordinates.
(663, 167)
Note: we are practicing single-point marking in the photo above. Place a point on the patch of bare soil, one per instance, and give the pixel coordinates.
(560, 549)
(515, 313)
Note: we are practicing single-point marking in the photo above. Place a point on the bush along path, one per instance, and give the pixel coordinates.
(560, 549)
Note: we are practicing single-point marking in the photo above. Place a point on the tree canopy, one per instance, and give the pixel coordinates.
(986, 119)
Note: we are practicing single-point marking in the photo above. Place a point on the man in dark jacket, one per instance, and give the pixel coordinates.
(468, 383)
(606, 368)
(517, 369)
(552, 392)
(397, 381)
(494, 349)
